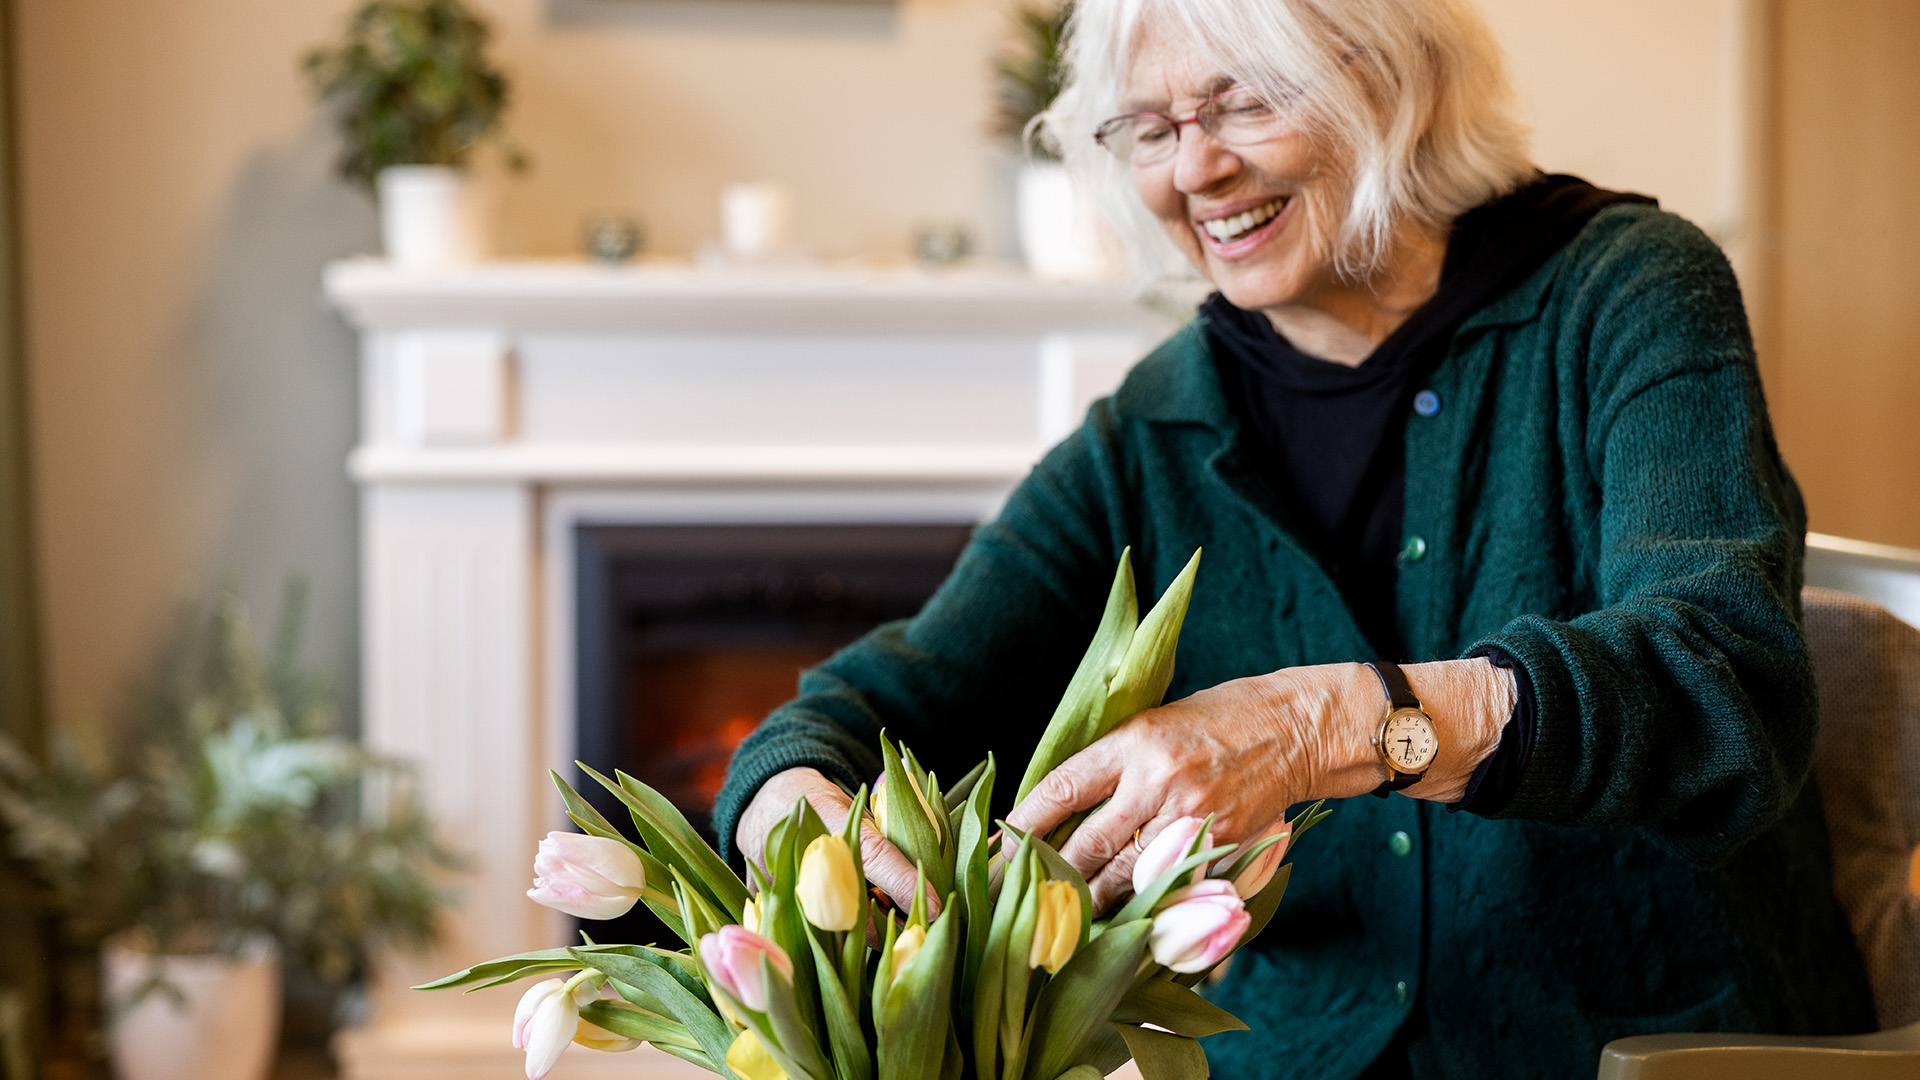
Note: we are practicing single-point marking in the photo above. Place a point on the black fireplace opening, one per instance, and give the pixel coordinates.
(687, 636)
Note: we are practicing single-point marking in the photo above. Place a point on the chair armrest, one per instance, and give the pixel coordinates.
(1884, 1055)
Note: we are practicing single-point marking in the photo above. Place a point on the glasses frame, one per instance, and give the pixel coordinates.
(1202, 114)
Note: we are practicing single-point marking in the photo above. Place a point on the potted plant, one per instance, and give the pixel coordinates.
(1061, 234)
(238, 831)
(415, 94)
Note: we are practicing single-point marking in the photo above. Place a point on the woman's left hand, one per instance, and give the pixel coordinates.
(1246, 750)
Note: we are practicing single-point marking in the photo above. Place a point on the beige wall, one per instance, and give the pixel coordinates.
(192, 400)
(1843, 263)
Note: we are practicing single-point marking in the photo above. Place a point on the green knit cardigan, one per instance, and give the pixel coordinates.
(1598, 494)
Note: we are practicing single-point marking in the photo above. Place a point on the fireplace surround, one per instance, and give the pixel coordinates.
(532, 433)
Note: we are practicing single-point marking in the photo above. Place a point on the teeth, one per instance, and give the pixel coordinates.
(1225, 229)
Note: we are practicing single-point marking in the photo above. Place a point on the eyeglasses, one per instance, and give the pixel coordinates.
(1235, 117)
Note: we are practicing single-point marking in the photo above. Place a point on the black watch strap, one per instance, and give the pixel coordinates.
(1400, 695)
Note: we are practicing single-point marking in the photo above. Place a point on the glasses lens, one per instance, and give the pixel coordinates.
(1239, 118)
(1141, 139)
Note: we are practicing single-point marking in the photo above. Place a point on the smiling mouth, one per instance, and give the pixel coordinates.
(1228, 229)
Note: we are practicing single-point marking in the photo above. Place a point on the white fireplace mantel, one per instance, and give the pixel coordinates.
(504, 404)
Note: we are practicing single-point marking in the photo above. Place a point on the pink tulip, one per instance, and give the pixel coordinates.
(546, 1019)
(732, 958)
(588, 876)
(1260, 871)
(1165, 851)
(1198, 926)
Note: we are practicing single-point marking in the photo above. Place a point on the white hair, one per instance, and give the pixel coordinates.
(1410, 98)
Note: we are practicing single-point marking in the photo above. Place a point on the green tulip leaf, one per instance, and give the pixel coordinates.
(1108, 1051)
(912, 1027)
(845, 1036)
(668, 835)
(1081, 997)
(1176, 1008)
(1147, 669)
(991, 987)
(908, 826)
(788, 1037)
(1015, 1037)
(1059, 869)
(1165, 1057)
(970, 866)
(1070, 729)
(634, 1022)
(957, 795)
(697, 1058)
(661, 986)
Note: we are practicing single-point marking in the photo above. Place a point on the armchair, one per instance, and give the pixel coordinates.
(1868, 665)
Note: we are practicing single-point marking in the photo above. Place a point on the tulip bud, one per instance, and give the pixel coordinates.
(1255, 875)
(1056, 927)
(588, 876)
(594, 1037)
(732, 958)
(750, 914)
(938, 821)
(1198, 926)
(877, 802)
(749, 1059)
(547, 1017)
(829, 886)
(904, 948)
(1166, 850)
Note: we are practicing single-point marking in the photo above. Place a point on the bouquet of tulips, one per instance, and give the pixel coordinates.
(803, 974)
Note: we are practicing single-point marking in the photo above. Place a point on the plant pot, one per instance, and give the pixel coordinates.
(429, 216)
(1061, 233)
(224, 1024)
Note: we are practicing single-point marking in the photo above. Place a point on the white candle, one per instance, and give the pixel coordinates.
(756, 220)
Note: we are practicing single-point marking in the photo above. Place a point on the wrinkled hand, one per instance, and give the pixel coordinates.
(1242, 751)
(883, 863)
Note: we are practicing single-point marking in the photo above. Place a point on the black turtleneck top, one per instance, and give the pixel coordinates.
(1330, 438)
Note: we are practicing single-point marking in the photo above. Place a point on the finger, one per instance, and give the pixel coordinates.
(1079, 783)
(1114, 881)
(1107, 836)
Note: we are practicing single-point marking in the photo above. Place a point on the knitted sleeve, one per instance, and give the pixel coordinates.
(981, 667)
(1686, 702)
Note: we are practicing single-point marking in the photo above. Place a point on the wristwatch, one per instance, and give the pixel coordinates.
(1407, 741)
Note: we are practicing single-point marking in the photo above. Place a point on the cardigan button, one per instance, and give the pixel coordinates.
(1426, 403)
(1414, 550)
(1400, 992)
(1400, 844)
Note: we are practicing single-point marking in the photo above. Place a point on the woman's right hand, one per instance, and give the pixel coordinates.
(883, 863)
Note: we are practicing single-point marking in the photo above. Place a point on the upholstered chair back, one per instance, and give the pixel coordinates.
(1868, 666)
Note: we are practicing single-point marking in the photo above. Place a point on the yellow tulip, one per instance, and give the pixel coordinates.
(749, 1059)
(750, 914)
(1056, 926)
(904, 946)
(829, 886)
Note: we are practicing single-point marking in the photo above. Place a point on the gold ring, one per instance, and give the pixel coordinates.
(1136, 842)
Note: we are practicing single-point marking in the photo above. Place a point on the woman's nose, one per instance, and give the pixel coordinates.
(1200, 162)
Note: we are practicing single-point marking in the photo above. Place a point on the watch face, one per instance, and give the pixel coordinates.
(1408, 740)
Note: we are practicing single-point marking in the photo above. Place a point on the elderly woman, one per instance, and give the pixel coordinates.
(1498, 433)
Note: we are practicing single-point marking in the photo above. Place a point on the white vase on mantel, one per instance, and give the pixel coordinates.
(1062, 235)
(430, 216)
(223, 1025)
